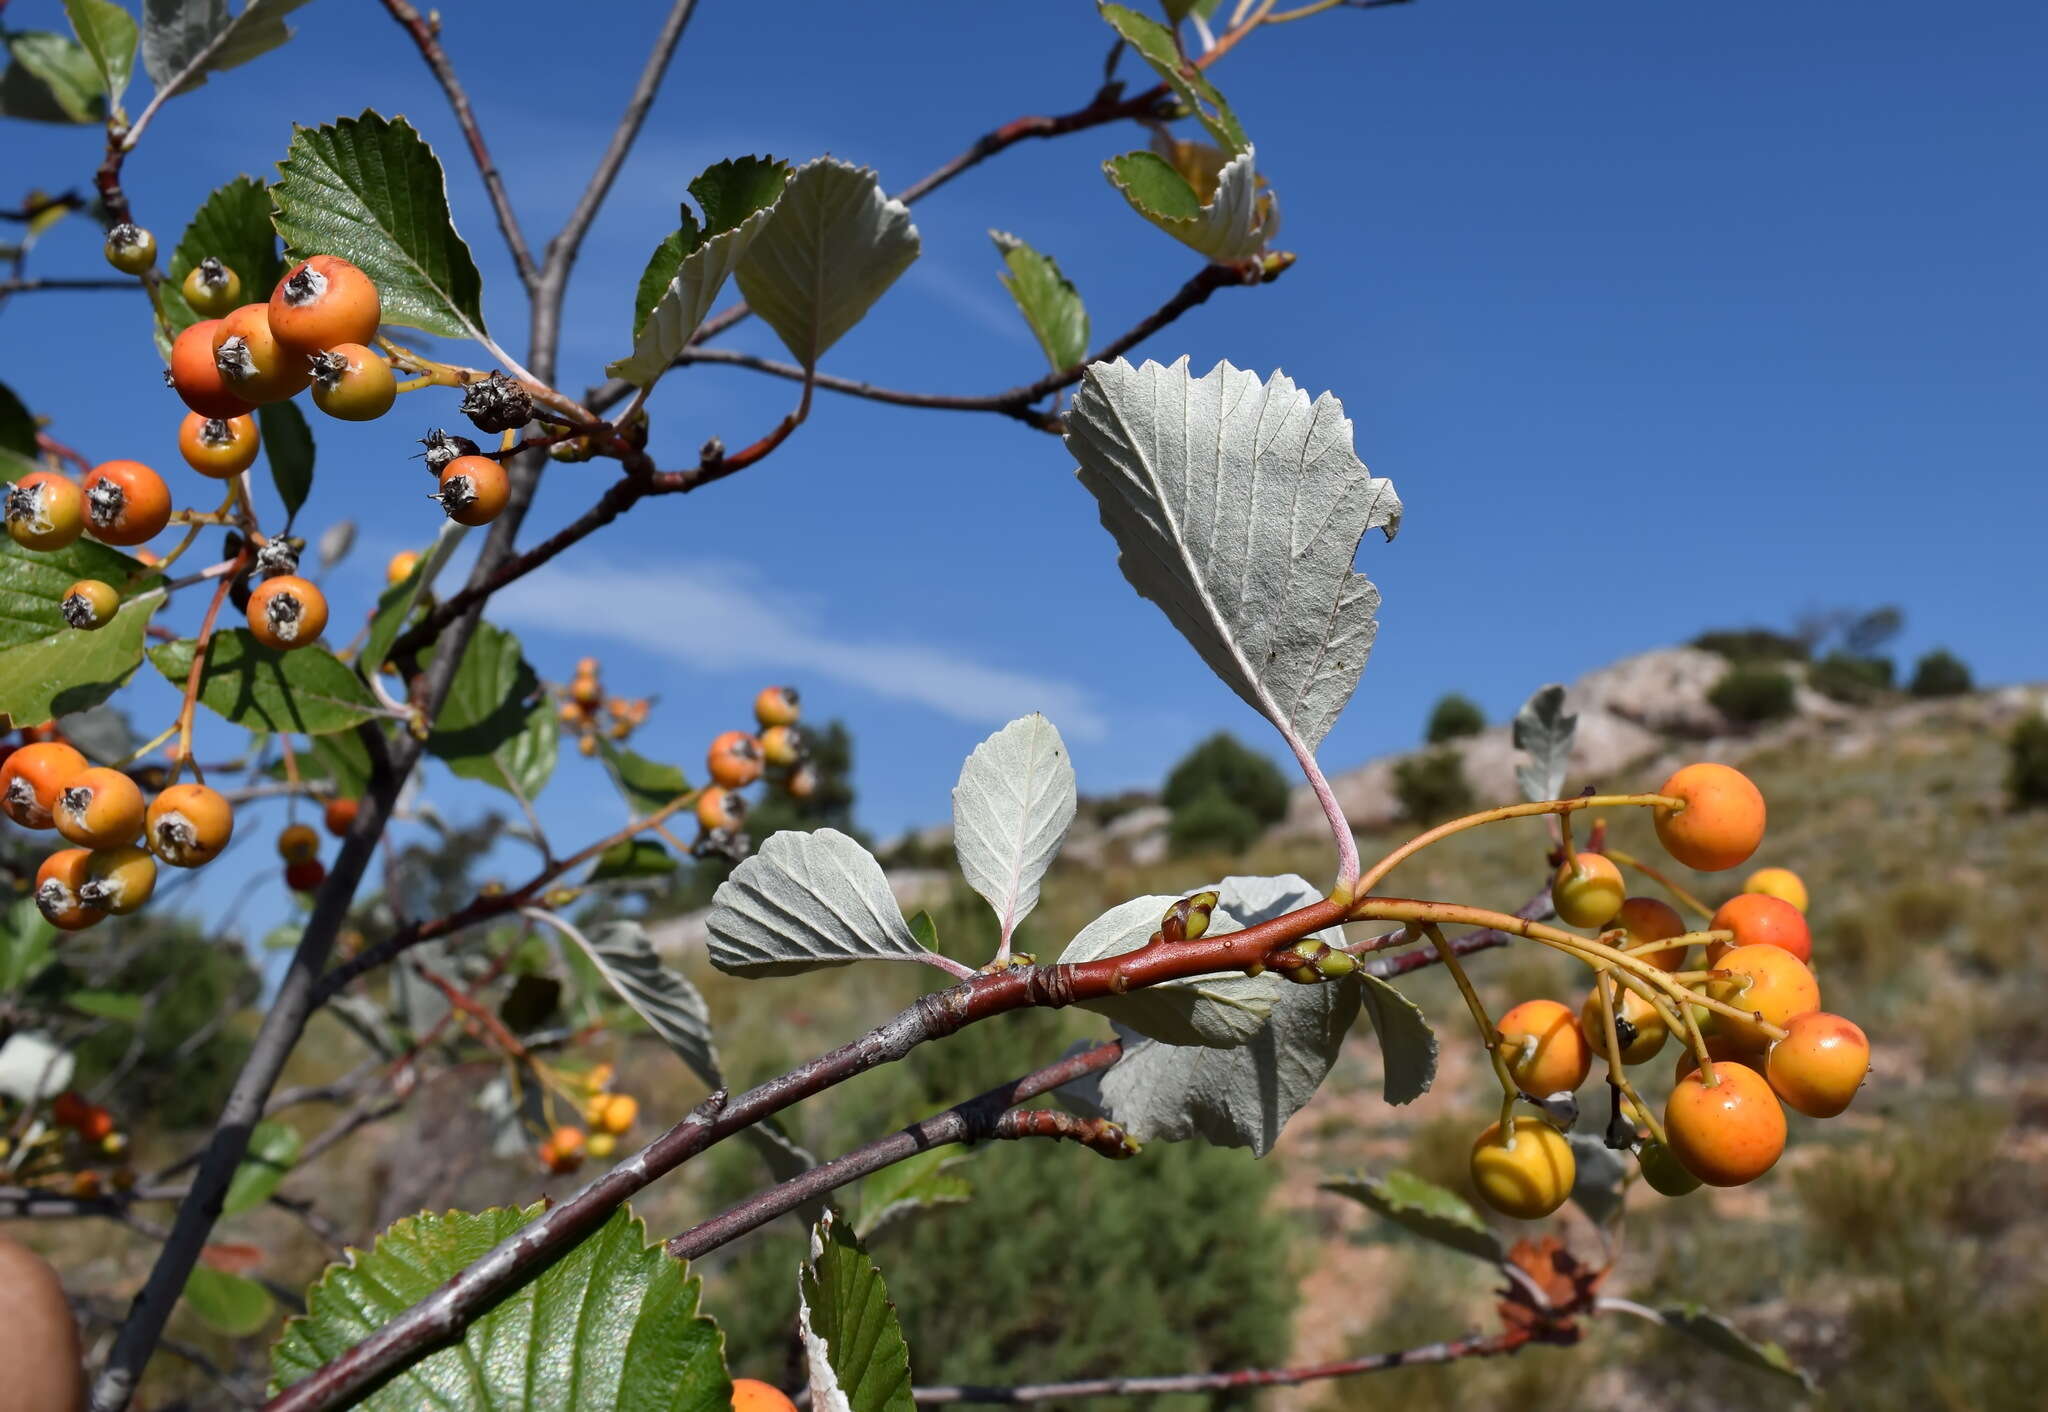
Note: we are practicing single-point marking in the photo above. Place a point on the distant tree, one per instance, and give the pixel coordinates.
(1753, 645)
(2027, 777)
(1750, 696)
(1213, 822)
(1941, 673)
(1851, 679)
(1432, 786)
(1454, 716)
(1242, 775)
(829, 805)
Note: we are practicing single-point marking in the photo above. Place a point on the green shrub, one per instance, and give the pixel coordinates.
(1752, 645)
(1851, 679)
(1213, 822)
(1225, 765)
(1749, 696)
(1432, 786)
(1941, 673)
(1454, 716)
(2027, 775)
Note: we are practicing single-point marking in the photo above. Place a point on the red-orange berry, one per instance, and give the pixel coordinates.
(68, 1109)
(120, 879)
(801, 783)
(1758, 919)
(353, 384)
(45, 510)
(253, 364)
(1818, 1066)
(97, 1125)
(1722, 821)
(125, 502)
(718, 808)
(188, 825)
(58, 881)
(1650, 919)
(777, 706)
(99, 808)
(753, 1395)
(89, 605)
(287, 612)
(1728, 1133)
(195, 376)
(782, 746)
(734, 759)
(1769, 982)
(339, 815)
(473, 489)
(1778, 882)
(1546, 1052)
(323, 302)
(32, 778)
(218, 447)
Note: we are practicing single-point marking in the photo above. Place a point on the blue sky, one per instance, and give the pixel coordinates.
(1659, 317)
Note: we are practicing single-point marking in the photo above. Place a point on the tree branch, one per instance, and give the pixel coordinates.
(427, 35)
(964, 1122)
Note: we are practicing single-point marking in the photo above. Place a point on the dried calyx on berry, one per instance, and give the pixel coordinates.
(443, 448)
(279, 556)
(497, 404)
(733, 845)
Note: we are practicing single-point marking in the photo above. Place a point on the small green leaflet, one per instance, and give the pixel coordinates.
(644, 784)
(231, 1303)
(1407, 1043)
(1047, 299)
(273, 1148)
(931, 1178)
(307, 691)
(50, 80)
(853, 1342)
(633, 858)
(1724, 1338)
(108, 33)
(370, 190)
(1424, 1208)
(613, 1324)
(1233, 226)
(1156, 45)
(27, 944)
(497, 726)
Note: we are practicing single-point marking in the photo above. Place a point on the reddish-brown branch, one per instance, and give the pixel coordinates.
(478, 1013)
(427, 36)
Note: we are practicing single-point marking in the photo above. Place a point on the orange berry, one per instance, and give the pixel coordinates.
(287, 612)
(85, 1185)
(1727, 1134)
(97, 1125)
(1587, 890)
(1649, 919)
(1722, 822)
(1529, 1180)
(1719, 1047)
(777, 706)
(339, 816)
(735, 759)
(585, 690)
(1546, 1051)
(324, 302)
(1819, 1065)
(782, 746)
(32, 778)
(1778, 882)
(188, 825)
(253, 365)
(718, 809)
(1767, 981)
(120, 879)
(99, 808)
(473, 489)
(353, 384)
(1639, 1027)
(196, 378)
(563, 1150)
(400, 567)
(45, 511)
(58, 880)
(753, 1395)
(802, 782)
(1758, 919)
(89, 605)
(619, 1112)
(125, 502)
(297, 843)
(218, 447)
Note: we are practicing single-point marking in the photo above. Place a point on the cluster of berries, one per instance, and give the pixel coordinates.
(77, 1149)
(737, 759)
(589, 713)
(609, 1116)
(1723, 1124)
(47, 784)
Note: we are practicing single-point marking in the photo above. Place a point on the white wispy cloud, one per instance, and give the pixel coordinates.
(719, 617)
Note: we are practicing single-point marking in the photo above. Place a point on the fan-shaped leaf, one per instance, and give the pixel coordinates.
(1235, 225)
(497, 726)
(1011, 811)
(185, 40)
(306, 690)
(803, 901)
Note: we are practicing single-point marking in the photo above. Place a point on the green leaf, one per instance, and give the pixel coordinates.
(613, 1324)
(832, 247)
(51, 80)
(1724, 1338)
(108, 33)
(106, 1005)
(1407, 1043)
(661, 268)
(1047, 299)
(497, 726)
(273, 1148)
(1155, 44)
(396, 603)
(925, 930)
(1218, 1011)
(185, 40)
(738, 198)
(48, 669)
(370, 190)
(234, 1305)
(101, 733)
(17, 428)
(232, 225)
(915, 1184)
(28, 944)
(308, 691)
(853, 1343)
(664, 998)
(1424, 1208)
(646, 785)
(288, 446)
(1234, 226)
(1178, 10)
(633, 858)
